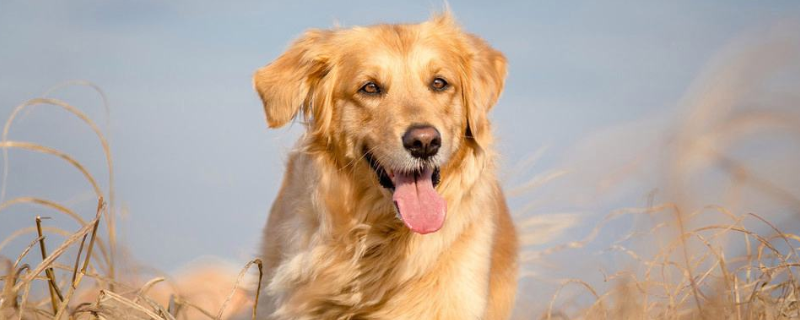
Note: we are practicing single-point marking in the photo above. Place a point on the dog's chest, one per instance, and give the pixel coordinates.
(389, 280)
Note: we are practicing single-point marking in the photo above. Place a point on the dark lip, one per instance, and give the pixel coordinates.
(383, 176)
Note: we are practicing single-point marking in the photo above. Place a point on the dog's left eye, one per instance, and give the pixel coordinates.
(439, 84)
(370, 88)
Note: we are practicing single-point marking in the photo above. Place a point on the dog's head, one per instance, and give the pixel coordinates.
(404, 99)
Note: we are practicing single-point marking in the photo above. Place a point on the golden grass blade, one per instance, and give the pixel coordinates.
(181, 302)
(146, 287)
(172, 307)
(100, 207)
(46, 150)
(536, 182)
(32, 229)
(84, 83)
(110, 303)
(9, 296)
(162, 313)
(25, 293)
(55, 294)
(258, 290)
(685, 250)
(779, 233)
(236, 286)
(78, 260)
(56, 253)
(564, 283)
(45, 203)
(25, 252)
(525, 164)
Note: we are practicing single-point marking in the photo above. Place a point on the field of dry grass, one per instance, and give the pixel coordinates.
(684, 256)
(714, 237)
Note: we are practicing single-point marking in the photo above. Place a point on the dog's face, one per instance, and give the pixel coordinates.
(404, 99)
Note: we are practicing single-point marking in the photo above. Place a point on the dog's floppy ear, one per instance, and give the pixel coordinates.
(487, 74)
(287, 84)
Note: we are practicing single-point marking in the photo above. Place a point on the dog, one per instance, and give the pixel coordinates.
(389, 207)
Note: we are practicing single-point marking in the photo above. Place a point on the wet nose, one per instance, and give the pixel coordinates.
(422, 141)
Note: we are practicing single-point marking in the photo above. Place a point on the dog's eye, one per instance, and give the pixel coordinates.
(439, 84)
(370, 88)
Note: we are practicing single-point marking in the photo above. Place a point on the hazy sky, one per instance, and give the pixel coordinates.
(196, 167)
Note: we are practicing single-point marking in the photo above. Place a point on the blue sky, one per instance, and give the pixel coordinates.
(196, 166)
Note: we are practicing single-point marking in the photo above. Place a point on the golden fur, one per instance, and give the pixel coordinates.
(333, 248)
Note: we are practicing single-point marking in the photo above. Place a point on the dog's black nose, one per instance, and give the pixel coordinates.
(422, 141)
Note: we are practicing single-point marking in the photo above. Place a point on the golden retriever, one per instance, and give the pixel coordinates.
(390, 208)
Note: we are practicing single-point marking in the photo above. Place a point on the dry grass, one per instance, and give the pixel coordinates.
(685, 258)
(687, 261)
(106, 295)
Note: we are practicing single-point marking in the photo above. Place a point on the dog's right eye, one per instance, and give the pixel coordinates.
(370, 88)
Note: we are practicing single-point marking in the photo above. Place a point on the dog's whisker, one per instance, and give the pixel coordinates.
(352, 163)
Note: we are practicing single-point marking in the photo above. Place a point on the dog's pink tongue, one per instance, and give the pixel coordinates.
(420, 206)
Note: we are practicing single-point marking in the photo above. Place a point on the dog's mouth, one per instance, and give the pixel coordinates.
(418, 204)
